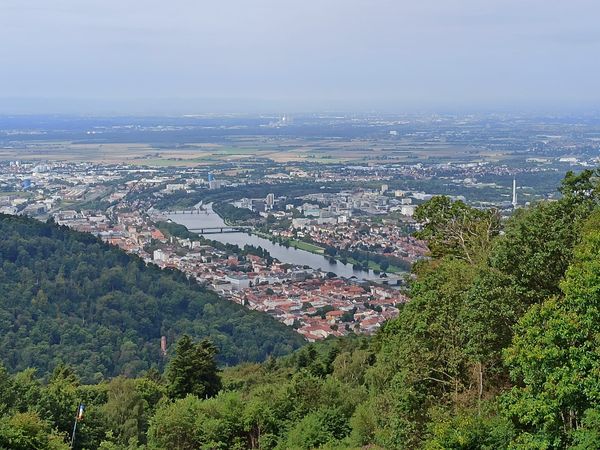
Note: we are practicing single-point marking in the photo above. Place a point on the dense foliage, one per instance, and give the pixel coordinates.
(67, 297)
(300, 401)
(361, 256)
(193, 369)
(232, 214)
(497, 349)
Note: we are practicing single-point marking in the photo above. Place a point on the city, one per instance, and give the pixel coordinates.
(302, 225)
(326, 248)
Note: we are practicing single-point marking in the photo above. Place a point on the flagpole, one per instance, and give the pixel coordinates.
(74, 429)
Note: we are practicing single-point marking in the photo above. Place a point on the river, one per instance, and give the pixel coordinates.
(209, 218)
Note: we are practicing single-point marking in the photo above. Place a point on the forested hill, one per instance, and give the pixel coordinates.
(497, 349)
(67, 297)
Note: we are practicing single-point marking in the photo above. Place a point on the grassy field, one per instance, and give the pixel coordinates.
(19, 194)
(306, 246)
(281, 150)
(300, 245)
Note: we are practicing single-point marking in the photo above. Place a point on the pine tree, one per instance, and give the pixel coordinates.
(193, 369)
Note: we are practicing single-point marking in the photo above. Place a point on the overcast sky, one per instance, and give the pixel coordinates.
(395, 55)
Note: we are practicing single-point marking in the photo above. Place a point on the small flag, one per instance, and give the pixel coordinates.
(80, 412)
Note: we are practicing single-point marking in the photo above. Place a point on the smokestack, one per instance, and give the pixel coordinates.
(514, 198)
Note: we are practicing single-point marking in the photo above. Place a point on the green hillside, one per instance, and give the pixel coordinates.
(497, 349)
(67, 297)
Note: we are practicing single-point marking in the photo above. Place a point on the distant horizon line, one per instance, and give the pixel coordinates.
(60, 106)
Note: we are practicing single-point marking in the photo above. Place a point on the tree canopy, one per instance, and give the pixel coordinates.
(69, 298)
(193, 369)
(496, 349)
(456, 229)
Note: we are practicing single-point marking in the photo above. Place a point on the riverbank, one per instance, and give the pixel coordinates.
(310, 247)
(302, 255)
(294, 243)
(374, 268)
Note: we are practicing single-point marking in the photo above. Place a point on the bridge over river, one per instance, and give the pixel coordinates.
(218, 230)
(189, 211)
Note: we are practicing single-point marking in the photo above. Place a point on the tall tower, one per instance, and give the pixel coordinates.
(514, 198)
(163, 346)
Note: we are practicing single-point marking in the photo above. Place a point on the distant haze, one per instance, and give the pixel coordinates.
(186, 56)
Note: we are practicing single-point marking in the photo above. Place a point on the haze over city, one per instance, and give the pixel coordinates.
(185, 56)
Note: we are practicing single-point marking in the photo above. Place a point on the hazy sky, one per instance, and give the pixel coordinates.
(298, 54)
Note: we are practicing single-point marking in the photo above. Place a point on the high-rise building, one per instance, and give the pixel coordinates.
(270, 200)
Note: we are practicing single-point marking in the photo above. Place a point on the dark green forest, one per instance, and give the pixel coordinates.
(66, 297)
(497, 349)
(233, 214)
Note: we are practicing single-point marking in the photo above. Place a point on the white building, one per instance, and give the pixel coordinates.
(159, 255)
(215, 184)
(270, 200)
(238, 282)
(407, 210)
